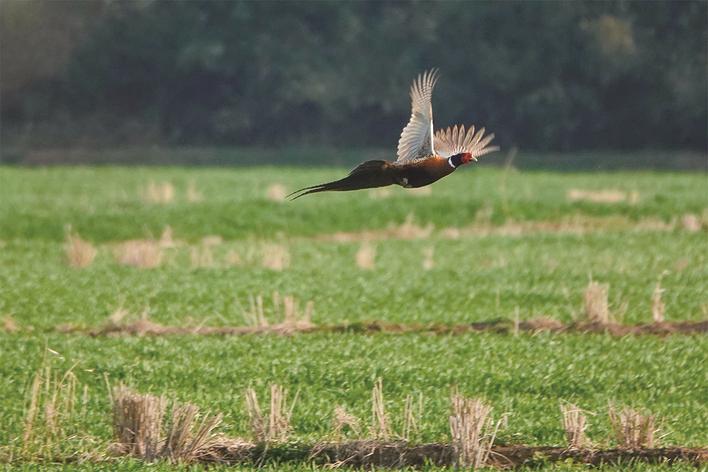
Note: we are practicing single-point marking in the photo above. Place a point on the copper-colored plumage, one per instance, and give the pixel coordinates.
(423, 157)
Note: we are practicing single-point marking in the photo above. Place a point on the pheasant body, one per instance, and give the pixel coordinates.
(423, 172)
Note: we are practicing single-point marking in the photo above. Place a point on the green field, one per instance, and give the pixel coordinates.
(484, 244)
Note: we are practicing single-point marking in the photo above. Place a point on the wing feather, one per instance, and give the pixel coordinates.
(416, 139)
(455, 140)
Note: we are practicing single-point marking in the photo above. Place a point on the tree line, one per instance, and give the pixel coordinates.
(552, 75)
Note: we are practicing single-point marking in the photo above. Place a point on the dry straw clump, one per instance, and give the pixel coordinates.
(141, 253)
(193, 194)
(291, 313)
(275, 257)
(54, 415)
(341, 419)
(212, 240)
(137, 423)
(602, 196)
(143, 428)
(574, 425)
(658, 309)
(201, 256)
(286, 309)
(158, 192)
(366, 256)
(275, 425)
(412, 413)
(79, 253)
(188, 434)
(167, 240)
(380, 428)
(9, 325)
(596, 305)
(428, 258)
(691, 223)
(633, 429)
(276, 192)
(122, 320)
(255, 315)
(473, 431)
(120, 314)
(410, 230)
(233, 258)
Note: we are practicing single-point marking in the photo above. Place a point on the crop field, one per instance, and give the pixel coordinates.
(529, 291)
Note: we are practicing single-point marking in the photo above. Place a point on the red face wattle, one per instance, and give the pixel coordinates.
(467, 157)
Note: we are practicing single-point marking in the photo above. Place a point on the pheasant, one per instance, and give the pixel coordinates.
(423, 157)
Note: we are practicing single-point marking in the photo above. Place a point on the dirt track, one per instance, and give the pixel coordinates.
(368, 453)
(144, 327)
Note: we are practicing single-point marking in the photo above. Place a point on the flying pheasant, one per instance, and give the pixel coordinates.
(422, 157)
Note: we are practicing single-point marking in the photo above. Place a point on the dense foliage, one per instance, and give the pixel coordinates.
(542, 75)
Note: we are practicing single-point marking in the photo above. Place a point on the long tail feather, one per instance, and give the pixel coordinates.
(302, 190)
(370, 174)
(314, 189)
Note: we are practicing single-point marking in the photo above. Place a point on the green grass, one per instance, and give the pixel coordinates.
(526, 376)
(475, 278)
(104, 204)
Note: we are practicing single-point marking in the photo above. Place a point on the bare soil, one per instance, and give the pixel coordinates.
(370, 453)
(145, 327)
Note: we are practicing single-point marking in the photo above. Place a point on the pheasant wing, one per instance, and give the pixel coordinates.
(417, 137)
(455, 140)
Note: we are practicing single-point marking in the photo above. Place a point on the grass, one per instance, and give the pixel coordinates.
(474, 279)
(526, 376)
(105, 203)
(229, 240)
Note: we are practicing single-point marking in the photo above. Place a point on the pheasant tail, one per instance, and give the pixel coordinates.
(370, 174)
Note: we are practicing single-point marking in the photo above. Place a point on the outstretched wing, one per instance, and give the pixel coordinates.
(417, 137)
(455, 140)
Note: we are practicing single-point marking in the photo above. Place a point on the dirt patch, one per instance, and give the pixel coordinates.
(514, 456)
(659, 329)
(397, 454)
(145, 327)
(530, 326)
